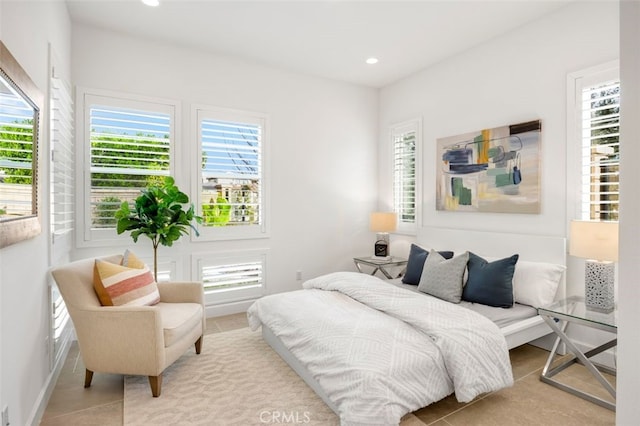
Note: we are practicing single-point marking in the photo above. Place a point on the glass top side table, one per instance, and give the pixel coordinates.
(573, 310)
(380, 264)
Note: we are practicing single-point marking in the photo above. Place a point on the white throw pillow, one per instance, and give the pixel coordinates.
(536, 283)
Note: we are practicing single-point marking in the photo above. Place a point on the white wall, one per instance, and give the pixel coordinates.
(628, 411)
(24, 293)
(519, 76)
(322, 140)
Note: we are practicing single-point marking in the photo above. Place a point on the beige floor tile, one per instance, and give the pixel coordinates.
(101, 404)
(579, 377)
(103, 415)
(527, 359)
(105, 389)
(439, 423)
(212, 327)
(531, 402)
(232, 322)
(528, 402)
(440, 409)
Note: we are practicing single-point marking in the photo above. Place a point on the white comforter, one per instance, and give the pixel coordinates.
(380, 352)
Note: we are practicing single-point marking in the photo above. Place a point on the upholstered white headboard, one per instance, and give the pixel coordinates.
(533, 248)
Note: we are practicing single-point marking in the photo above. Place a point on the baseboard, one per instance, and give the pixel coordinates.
(227, 308)
(546, 343)
(607, 358)
(43, 397)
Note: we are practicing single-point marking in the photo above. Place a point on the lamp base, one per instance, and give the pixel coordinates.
(599, 285)
(382, 236)
(381, 258)
(381, 247)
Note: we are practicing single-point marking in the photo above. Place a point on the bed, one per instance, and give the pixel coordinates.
(375, 364)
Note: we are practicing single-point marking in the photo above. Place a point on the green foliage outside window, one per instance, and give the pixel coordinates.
(12, 148)
(143, 153)
(105, 211)
(217, 212)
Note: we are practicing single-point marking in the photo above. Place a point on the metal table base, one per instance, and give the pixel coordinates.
(580, 358)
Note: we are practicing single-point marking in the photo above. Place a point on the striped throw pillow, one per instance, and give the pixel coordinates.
(130, 260)
(118, 285)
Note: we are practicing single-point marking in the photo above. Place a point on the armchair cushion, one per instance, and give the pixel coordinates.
(118, 285)
(178, 318)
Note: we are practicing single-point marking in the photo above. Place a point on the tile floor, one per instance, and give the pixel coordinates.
(528, 402)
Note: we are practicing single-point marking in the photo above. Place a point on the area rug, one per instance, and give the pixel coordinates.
(236, 380)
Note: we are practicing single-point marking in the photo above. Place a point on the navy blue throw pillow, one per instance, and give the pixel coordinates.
(415, 263)
(490, 283)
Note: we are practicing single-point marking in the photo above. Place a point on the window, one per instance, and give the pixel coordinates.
(231, 162)
(128, 145)
(600, 155)
(597, 112)
(405, 139)
(232, 277)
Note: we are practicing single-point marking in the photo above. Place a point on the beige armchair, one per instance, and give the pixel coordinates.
(131, 340)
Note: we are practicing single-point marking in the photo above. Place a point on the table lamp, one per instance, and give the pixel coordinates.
(382, 223)
(598, 243)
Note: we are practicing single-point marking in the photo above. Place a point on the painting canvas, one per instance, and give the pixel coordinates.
(492, 170)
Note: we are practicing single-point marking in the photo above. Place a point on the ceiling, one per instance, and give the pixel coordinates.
(330, 38)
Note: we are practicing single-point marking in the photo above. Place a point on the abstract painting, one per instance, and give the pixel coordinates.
(492, 170)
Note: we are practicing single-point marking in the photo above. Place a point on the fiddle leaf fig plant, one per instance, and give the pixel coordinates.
(159, 213)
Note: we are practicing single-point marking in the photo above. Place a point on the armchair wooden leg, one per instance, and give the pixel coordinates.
(88, 376)
(156, 385)
(199, 345)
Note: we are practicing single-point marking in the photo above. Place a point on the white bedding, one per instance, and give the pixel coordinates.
(379, 351)
(502, 317)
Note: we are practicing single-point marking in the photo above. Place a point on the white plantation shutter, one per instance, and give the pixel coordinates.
(128, 145)
(231, 162)
(60, 314)
(404, 139)
(600, 159)
(16, 152)
(61, 199)
(232, 149)
(237, 275)
(62, 163)
(232, 278)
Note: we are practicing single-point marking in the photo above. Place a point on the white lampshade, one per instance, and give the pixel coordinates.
(383, 221)
(594, 240)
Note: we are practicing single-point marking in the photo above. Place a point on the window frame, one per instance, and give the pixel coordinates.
(576, 82)
(230, 295)
(415, 125)
(14, 230)
(85, 98)
(212, 233)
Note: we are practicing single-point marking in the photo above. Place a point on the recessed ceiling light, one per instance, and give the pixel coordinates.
(151, 2)
(372, 61)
